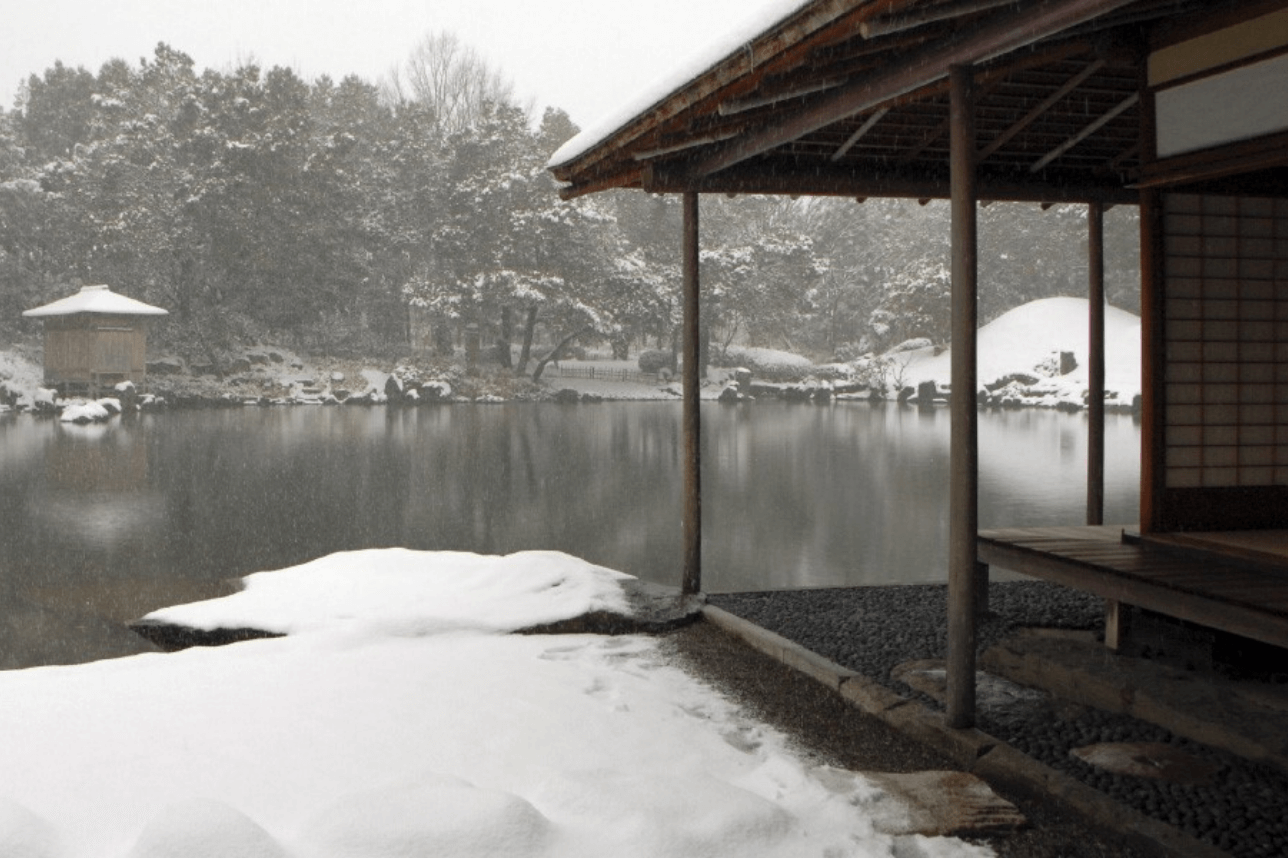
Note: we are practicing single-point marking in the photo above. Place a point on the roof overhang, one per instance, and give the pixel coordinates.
(849, 98)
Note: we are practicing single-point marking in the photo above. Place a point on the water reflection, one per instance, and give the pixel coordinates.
(121, 518)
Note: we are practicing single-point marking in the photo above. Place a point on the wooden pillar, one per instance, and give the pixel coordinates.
(1096, 363)
(691, 421)
(963, 492)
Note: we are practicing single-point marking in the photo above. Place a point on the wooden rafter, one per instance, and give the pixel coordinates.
(858, 135)
(1085, 132)
(1002, 32)
(1040, 108)
(866, 182)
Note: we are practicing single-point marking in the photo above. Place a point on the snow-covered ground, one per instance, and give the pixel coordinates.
(398, 718)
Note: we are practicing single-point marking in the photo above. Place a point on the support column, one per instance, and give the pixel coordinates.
(691, 422)
(1096, 363)
(963, 491)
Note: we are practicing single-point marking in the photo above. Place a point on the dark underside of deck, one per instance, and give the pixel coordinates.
(1232, 591)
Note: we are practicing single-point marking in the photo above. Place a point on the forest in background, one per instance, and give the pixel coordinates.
(260, 207)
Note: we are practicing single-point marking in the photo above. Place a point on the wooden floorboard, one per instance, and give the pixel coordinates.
(1250, 599)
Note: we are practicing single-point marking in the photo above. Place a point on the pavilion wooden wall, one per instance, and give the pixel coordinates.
(1225, 367)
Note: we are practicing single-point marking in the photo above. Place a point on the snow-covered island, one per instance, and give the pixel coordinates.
(1034, 355)
(397, 715)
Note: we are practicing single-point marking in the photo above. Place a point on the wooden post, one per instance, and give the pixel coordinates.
(691, 421)
(1096, 363)
(1096, 397)
(963, 492)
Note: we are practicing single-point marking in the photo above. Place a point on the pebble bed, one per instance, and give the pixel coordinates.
(1243, 811)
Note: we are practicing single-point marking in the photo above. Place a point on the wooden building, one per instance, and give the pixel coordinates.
(1178, 106)
(94, 340)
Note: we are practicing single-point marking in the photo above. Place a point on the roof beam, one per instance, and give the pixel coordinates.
(1047, 103)
(858, 135)
(767, 178)
(1000, 34)
(1085, 133)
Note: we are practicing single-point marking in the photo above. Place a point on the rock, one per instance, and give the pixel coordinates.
(394, 390)
(337, 378)
(1068, 363)
(566, 396)
(730, 393)
(926, 392)
(1019, 378)
(944, 804)
(435, 391)
(164, 366)
(127, 395)
(1148, 760)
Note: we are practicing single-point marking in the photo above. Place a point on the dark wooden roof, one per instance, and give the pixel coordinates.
(849, 98)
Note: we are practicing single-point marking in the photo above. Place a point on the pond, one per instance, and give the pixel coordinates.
(110, 521)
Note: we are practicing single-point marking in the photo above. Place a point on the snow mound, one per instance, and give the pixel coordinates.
(204, 828)
(1025, 338)
(23, 834)
(441, 815)
(408, 593)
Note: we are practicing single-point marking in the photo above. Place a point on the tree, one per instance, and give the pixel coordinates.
(452, 80)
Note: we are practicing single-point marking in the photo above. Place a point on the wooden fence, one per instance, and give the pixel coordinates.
(603, 373)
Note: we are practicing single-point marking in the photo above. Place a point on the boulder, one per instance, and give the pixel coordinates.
(394, 390)
(164, 366)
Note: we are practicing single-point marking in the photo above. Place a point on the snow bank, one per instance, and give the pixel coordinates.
(348, 741)
(411, 592)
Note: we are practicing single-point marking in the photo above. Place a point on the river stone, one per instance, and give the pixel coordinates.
(944, 804)
(1148, 760)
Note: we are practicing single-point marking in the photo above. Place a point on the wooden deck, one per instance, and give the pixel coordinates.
(1204, 581)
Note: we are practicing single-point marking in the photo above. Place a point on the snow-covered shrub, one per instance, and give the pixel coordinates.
(656, 360)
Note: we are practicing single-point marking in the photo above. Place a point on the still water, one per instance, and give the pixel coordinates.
(113, 520)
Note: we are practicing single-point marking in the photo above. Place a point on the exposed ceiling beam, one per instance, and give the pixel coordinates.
(1000, 34)
(1046, 104)
(867, 183)
(858, 135)
(1085, 133)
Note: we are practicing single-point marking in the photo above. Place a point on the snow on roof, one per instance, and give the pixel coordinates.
(96, 299)
(764, 15)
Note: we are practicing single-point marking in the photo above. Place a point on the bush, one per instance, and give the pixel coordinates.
(656, 360)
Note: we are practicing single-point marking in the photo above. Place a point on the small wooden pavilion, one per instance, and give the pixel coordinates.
(95, 339)
(1178, 106)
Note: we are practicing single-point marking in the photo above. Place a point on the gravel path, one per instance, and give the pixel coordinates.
(873, 629)
(833, 732)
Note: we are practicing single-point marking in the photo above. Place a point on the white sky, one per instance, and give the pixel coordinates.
(581, 55)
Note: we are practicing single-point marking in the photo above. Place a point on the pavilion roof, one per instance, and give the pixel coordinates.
(96, 299)
(850, 98)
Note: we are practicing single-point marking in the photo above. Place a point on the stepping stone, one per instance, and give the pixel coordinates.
(1148, 760)
(944, 804)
